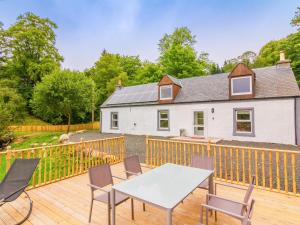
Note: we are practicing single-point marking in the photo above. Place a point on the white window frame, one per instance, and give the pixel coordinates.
(112, 120)
(164, 87)
(159, 119)
(241, 93)
(251, 120)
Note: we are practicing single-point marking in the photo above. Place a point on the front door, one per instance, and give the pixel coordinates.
(199, 123)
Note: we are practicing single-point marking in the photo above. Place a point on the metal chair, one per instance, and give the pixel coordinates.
(239, 210)
(204, 162)
(133, 167)
(15, 182)
(100, 177)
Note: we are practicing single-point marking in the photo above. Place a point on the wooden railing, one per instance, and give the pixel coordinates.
(63, 128)
(274, 170)
(59, 162)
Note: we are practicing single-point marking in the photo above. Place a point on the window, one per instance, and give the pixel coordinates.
(163, 120)
(199, 123)
(241, 85)
(166, 92)
(243, 122)
(114, 120)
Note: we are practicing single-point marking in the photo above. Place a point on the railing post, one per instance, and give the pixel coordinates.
(8, 158)
(81, 155)
(147, 150)
(209, 148)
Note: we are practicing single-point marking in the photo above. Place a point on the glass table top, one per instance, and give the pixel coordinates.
(164, 186)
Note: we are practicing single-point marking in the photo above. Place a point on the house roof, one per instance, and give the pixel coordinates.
(271, 82)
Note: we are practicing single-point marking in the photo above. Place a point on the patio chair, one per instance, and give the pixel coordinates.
(15, 182)
(203, 163)
(238, 210)
(133, 167)
(100, 177)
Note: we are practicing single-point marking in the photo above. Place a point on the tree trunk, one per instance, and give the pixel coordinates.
(69, 122)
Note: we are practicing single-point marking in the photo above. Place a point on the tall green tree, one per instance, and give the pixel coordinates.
(32, 52)
(178, 56)
(149, 73)
(247, 57)
(296, 19)
(63, 96)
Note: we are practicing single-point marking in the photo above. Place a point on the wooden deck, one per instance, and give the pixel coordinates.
(67, 202)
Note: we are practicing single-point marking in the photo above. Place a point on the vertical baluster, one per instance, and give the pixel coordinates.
(256, 166)
(147, 150)
(237, 165)
(249, 165)
(225, 162)
(69, 154)
(243, 165)
(50, 164)
(293, 155)
(263, 168)
(278, 171)
(270, 170)
(220, 162)
(180, 153)
(169, 154)
(184, 153)
(215, 159)
(64, 155)
(176, 152)
(46, 160)
(161, 152)
(73, 159)
(34, 174)
(231, 165)
(165, 151)
(286, 187)
(202, 150)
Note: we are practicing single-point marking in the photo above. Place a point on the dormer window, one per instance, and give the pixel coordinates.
(241, 82)
(241, 85)
(166, 92)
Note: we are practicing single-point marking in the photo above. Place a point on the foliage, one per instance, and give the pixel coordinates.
(149, 73)
(12, 109)
(31, 52)
(247, 57)
(178, 56)
(63, 96)
(296, 19)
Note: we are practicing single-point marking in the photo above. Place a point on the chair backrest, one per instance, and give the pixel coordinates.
(248, 217)
(202, 162)
(100, 176)
(249, 190)
(132, 164)
(18, 176)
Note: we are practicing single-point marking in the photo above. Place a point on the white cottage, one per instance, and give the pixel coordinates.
(259, 105)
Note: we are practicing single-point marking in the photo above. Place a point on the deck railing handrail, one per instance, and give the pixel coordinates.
(58, 162)
(275, 169)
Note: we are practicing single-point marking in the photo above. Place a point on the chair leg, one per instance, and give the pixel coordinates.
(144, 207)
(206, 214)
(108, 214)
(91, 209)
(132, 209)
(216, 216)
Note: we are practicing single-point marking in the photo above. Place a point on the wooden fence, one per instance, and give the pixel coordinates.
(59, 162)
(58, 128)
(274, 170)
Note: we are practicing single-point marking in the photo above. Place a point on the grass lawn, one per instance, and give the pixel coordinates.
(27, 139)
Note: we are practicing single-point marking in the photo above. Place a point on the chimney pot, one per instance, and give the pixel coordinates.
(283, 63)
(119, 85)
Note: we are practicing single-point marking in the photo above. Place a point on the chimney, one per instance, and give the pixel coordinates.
(119, 85)
(283, 63)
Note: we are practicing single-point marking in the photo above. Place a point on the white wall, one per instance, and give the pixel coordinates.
(273, 119)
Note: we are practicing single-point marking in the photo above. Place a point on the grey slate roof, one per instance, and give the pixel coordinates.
(271, 82)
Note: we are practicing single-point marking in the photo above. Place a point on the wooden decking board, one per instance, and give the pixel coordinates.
(68, 202)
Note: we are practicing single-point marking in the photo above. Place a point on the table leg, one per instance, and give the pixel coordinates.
(113, 206)
(169, 216)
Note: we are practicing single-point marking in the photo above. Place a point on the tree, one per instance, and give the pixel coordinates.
(63, 96)
(32, 52)
(12, 109)
(295, 22)
(149, 73)
(178, 56)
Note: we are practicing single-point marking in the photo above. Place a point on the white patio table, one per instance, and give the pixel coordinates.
(164, 187)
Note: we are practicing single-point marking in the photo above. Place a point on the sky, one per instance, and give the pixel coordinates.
(224, 29)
